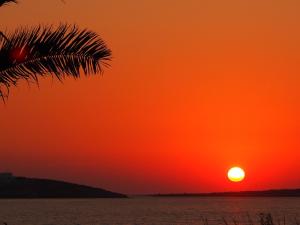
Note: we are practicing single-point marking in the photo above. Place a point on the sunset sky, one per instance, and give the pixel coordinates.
(194, 88)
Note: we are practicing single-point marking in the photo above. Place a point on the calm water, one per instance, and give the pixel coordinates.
(138, 211)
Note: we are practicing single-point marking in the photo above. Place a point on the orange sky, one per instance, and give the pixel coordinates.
(195, 87)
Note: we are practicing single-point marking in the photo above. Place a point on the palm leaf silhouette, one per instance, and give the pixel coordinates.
(28, 53)
(4, 2)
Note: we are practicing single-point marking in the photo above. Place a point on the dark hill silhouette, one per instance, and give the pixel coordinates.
(265, 193)
(21, 187)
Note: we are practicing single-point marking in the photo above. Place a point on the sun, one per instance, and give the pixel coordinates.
(236, 174)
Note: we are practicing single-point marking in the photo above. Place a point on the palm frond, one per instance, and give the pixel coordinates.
(4, 2)
(31, 52)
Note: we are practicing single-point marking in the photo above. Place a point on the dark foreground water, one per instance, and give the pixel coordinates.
(148, 211)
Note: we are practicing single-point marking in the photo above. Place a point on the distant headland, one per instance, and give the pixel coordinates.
(22, 187)
(265, 193)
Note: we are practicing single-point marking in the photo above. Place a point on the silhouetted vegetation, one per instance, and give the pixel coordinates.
(28, 53)
(261, 219)
(4, 2)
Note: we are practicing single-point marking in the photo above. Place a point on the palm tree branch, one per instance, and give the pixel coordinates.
(3, 36)
(19, 66)
(28, 53)
(5, 2)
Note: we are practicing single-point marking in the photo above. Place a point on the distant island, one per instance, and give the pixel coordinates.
(22, 187)
(265, 193)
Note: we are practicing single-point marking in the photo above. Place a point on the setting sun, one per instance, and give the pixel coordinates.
(150, 112)
(236, 174)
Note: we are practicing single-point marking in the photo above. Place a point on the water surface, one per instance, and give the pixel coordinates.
(146, 211)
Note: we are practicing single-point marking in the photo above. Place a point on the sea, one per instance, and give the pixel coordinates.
(150, 211)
